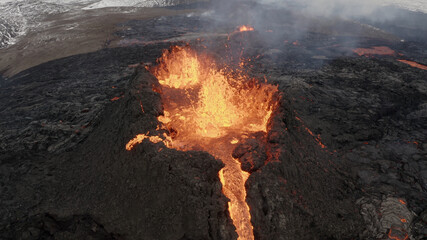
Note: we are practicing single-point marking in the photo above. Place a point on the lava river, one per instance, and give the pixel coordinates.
(210, 110)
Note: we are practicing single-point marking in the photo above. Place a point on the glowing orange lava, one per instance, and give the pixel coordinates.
(115, 99)
(154, 139)
(414, 64)
(381, 50)
(207, 109)
(245, 28)
(317, 138)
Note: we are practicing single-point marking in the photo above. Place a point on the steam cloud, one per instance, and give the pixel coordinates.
(342, 8)
(302, 16)
(347, 9)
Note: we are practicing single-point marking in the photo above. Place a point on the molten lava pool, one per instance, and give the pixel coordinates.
(208, 109)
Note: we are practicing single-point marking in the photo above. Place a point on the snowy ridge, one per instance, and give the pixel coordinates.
(18, 17)
(412, 5)
(131, 3)
(11, 26)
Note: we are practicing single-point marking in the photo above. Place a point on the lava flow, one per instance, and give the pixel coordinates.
(413, 64)
(207, 109)
(245, 28)
(381, 50)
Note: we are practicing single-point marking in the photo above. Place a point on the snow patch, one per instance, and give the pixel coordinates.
(412, 5)
(18, 17)
(130, 3)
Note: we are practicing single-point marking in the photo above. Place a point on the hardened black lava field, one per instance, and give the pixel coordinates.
(344, 155)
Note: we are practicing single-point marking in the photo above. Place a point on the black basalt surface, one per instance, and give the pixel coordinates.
(150, 192)
(344, 158)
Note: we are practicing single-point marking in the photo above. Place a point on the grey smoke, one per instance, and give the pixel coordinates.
(345, 9)
(342, 8)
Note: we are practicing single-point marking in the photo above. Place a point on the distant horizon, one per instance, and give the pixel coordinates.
(412, 5)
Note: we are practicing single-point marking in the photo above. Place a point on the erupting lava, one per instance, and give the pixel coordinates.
(207, 109)
(245, 28)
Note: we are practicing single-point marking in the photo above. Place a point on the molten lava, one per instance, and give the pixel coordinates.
(154, 139)
(381, 50)
(202, 101)
(207, 109)
(245, 28)
(413, 64)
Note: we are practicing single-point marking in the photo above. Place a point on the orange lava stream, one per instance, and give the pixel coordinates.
(381, 50)
(233, 180)
(414, 64)
(206, 109)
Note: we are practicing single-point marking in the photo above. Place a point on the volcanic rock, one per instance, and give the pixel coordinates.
(294, 194)
(150, 192)
(45, 226)
(251, 154)
(346, 142)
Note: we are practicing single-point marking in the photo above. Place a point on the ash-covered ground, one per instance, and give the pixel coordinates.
(347, 144)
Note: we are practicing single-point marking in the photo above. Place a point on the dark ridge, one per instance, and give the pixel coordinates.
(406, 24)
(150, 192)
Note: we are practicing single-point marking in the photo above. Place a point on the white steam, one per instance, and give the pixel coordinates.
(347, 8)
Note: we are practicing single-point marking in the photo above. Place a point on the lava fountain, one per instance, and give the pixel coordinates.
(210, 110)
